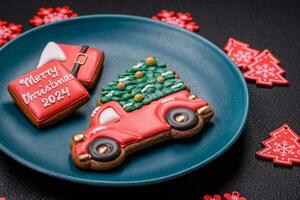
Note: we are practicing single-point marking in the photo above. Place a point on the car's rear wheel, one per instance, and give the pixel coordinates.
(104, 149)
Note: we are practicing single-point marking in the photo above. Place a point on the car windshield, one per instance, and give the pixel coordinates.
(108, 115)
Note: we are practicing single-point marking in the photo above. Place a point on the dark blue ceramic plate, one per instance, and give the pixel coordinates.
(125, 40)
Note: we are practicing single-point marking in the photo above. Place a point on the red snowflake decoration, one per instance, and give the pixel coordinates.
(48, 15)
(240, 52)
(184, 20)
(187, 17)
(9, 31)
(265, 70)
(192, 26)
(214, 197)
(174, 20)
(234, 196)
(165, 13)
(282, 147)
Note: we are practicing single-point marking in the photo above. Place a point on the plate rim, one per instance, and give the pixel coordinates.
(168, 177)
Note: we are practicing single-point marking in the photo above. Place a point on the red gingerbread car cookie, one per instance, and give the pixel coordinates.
(47, 94)
(147, 104)
(83, 61)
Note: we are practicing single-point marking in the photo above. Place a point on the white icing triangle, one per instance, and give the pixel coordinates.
(51, 52)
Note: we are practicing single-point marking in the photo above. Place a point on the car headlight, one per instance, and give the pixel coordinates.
(192, 97)
(78, 137)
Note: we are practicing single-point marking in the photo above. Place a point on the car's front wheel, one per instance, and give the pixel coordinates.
(104, 149)
(182, 118)
(184, 122)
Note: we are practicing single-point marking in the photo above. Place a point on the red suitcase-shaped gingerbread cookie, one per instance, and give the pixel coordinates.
(48, 94)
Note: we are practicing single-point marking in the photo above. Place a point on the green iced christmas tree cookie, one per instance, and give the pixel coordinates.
(141, 84)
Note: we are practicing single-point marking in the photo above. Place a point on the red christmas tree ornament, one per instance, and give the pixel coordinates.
(234, 196)
(184, 20)
(240, 52)
(282, 147)
(214, 197)
(265, 70)
(9, 31)
(48, 15)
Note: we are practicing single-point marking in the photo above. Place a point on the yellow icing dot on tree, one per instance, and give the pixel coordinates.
(121, 85)
(160, 79)
(138, 97)
(150, 61)
(138, 74)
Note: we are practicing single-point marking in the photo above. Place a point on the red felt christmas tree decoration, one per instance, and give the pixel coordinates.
(283, 147)
(240, 53)
(265, 70)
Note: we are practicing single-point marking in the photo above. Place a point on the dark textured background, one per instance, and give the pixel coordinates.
(265, 24)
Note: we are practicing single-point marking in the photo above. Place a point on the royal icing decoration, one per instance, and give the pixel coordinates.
(31, 80)
(100, 128)
(136, 91)
(124, 79)
(167, 100)
(47, 90)
(108, 115)
(177, 85)
(282, 147)
(137, 65)
(127, 105)
(95, 111)
(110, 94)
(49, 75)
(147, 87)
(166, 73)
(52, 51)
(240, 53)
